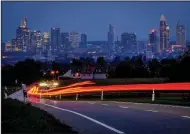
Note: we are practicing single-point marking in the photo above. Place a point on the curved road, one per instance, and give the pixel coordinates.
(88, 117)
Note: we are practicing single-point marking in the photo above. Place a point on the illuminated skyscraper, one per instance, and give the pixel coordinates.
(65, 40)
(39, 42)
(46, 41)
(180, 35)
(55, 38)
(153, 40)
(74, 39)
(164, 34)
(83, 40)
(23, 36)
(111, 37)
(33, 41)
(8, 47)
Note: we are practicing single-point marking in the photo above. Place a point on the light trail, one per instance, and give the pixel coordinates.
(83, 88)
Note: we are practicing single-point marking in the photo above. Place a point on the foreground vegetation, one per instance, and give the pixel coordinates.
(20, 118)
(174, 70)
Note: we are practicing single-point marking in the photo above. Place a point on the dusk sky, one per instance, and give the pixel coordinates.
(93, 18)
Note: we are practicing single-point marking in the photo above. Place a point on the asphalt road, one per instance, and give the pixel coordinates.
(117, 117)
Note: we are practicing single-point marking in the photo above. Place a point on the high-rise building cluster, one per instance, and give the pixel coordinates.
(37, 42)
(161, 43)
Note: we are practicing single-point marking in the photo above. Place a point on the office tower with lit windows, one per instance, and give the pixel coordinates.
(8, 47)
(180, 35)
(83, 42)
(74, 40)
(124, 42)
(55, 39)
(164, 34)
(111, 37)
(129, 42)
(153, 39)
(39, 42)
(23, 36)
(64, 41)
(133, 42)
(14, 45)
(46, 42)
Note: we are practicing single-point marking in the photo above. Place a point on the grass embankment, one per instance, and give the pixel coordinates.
(18, 117)
(118, 81)
(165, 98)
(10, 90)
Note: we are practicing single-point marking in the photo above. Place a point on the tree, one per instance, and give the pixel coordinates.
(100, 61)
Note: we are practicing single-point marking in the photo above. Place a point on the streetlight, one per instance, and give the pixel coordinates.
(52, 73)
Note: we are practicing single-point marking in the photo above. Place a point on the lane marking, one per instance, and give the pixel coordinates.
(186, 117)
(151, 111)
(105, 104)
(123, 107)
(86, 117)
(154, 104)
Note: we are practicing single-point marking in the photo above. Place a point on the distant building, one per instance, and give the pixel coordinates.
(83, 42)
(8, 47)
(129, 42)
(55, 38)
(33, 41)
(87, 72)
(111, 37)
(180, 35)
(14, 45)
(141, 46)
(65, 40)
(39, 42)
(46, 41)
(153, 47)
(23, 36)
(164, 34)
(74, 39)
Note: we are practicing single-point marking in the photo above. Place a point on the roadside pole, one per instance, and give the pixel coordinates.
(102, 95)
(153, 95)
(76, 97)
(60, 97)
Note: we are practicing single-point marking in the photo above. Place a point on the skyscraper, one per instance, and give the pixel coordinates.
(33, 41)
(65, 40)
(55, 38)
(164, 34)
(129, 42)
(153, 46)
(111, 37)
(23, 36)
(83, 40)
(39, 42)
(180, 35)
(74, 39)
(8, 47)
(46, 41)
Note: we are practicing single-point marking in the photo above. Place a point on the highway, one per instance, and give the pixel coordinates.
(90, 117)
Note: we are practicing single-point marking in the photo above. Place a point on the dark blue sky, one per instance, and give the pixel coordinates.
(94, 17)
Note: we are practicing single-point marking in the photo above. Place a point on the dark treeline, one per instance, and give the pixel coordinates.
(30, 71)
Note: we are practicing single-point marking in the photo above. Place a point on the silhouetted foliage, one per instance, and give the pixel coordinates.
(30, 71)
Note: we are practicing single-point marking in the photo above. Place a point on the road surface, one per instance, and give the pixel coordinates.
(88, 117)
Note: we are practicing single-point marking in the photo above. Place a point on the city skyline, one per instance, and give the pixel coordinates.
(119, 17)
